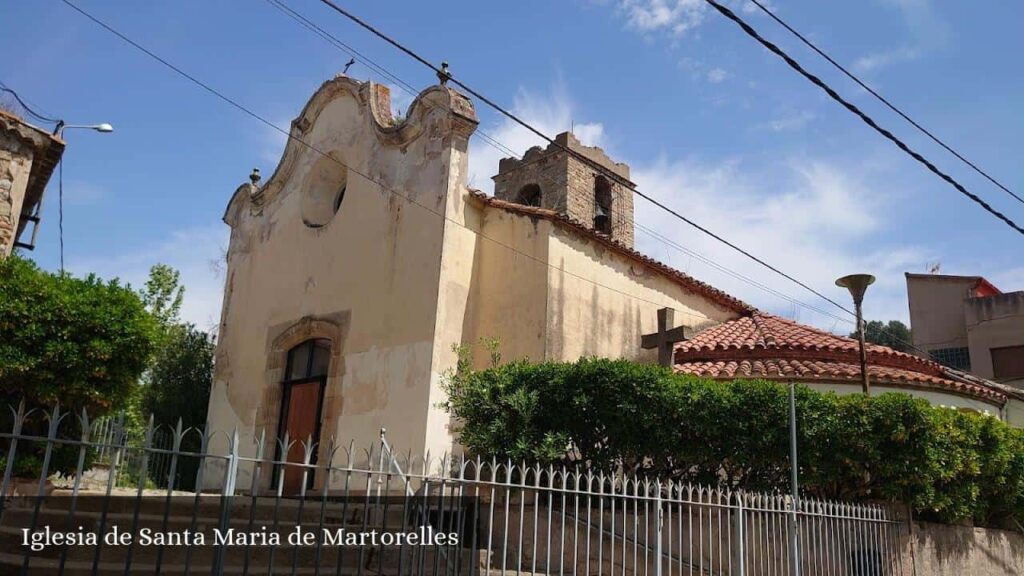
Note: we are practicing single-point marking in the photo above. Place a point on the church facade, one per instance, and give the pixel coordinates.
(355, 269)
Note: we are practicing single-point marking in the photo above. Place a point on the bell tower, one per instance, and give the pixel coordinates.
(552, 178)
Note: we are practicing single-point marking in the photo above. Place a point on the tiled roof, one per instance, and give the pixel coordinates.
(766, 346)
(689, 283)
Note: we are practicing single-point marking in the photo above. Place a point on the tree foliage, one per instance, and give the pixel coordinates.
(81, 343)
(616, 414)
(894, 334)
(177, 388)
(163, 295)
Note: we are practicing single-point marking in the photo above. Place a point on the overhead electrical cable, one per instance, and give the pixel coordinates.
(859, 113)
(883, 100)
(384, 187)
(581, 157)
(501, 147)
(238, 106)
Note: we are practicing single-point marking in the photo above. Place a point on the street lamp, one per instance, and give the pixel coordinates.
(61, 127)
(858, 284)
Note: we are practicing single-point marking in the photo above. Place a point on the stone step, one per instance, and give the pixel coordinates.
(281, 556)
(10, 564)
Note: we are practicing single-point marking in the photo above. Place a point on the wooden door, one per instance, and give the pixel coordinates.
(301, 423)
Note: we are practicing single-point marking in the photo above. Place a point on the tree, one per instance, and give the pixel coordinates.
(178, 386)
(79, 342)
(893, 334)
(163, 294)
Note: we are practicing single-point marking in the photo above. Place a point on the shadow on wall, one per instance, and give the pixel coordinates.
(941, 550)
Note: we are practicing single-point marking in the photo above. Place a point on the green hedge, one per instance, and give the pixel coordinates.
(950, 466)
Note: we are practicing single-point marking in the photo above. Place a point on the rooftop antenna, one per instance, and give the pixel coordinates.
(348, 65)
(935, 268)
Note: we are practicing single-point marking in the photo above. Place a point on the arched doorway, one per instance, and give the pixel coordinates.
(302, 396)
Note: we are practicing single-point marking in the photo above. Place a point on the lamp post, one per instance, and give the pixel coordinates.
(58, 131)
(61, 127)
(858, 284)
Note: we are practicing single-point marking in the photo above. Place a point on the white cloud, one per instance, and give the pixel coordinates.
(77, 193)
(790, 122)
(550, 113)
(927, 33)
(400, 100)
(675, 16)
(808, 218)
(716, 75)
(880, 60)
(191, 251)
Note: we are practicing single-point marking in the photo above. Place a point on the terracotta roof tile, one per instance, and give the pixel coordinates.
(766, 346)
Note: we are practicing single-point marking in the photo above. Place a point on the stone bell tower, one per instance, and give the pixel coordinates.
(552, 178)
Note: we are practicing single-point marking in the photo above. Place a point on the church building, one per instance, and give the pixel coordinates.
(358, 266)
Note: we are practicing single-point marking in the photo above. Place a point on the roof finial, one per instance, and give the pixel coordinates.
(254, 177)
(443, 75)
(348, 65)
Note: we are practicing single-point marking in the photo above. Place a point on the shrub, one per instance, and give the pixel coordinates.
(81, 342)
(949, 466)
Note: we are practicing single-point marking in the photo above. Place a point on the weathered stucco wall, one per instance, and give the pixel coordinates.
(937, 311)
(936, 398)
(367, 279)
(993, 322)
(943, 550)
(600, 302)
(509, 285)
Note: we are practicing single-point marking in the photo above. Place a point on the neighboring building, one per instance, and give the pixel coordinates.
(27, 158)
(966, 323)
(355, 270)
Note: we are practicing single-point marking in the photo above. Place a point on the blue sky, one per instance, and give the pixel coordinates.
(710, 123)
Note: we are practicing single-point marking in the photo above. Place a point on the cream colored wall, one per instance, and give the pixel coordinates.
(377, 261)
(993, 322)
(1013, 413)
(509, 289)
(937, 311)
(600, 302)
(935, 398)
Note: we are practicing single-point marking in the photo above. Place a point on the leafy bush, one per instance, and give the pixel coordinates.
(949, 466)
(81, 342)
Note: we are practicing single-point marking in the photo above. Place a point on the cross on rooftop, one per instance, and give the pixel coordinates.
(666, 336)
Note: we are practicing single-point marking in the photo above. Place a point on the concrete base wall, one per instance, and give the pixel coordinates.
(943, 550)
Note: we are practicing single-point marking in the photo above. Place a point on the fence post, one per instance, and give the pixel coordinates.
(657, 537)
(739, 529)
(228, 494)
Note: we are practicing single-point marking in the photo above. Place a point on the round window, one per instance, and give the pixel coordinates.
(323, 191)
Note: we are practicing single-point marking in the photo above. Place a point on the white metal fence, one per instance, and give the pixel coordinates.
(510, 518)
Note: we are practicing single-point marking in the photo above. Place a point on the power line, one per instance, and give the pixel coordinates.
(497, 144)
(392, 191)
(581, 157)
(597, 166)
(316, 150)
(857, 111)
(31, 112)
(882, 99)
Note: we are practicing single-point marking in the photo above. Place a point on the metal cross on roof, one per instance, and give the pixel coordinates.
(666, 336)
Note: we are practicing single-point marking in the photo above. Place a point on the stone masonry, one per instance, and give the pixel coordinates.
(27, 158)
(568, 185)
